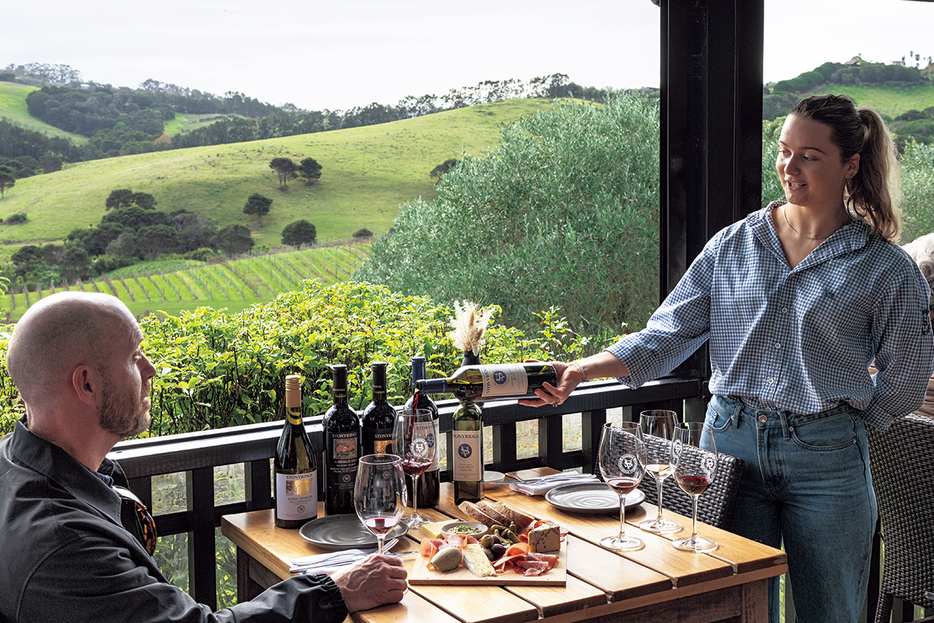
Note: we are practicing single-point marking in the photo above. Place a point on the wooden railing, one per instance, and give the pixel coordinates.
(197, 454)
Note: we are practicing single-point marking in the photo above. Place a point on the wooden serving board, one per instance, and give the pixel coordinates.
(422, 575)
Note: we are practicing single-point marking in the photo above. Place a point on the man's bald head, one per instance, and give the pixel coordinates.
(61, 332)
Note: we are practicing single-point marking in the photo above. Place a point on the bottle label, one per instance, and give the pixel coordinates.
(342, 470)
(297, 496)
(468, 455)
(428, 431)
(382, 442)
(504, 380)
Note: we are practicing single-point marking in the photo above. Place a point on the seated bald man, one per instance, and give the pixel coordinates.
(69, 548)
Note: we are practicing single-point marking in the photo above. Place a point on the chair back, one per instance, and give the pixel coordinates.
(715, 506)
(902, 462)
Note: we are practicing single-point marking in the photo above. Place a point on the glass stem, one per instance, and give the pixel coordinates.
(415, 495)
(379, 540)
(660, 518)
(622, 517)
(694, 518)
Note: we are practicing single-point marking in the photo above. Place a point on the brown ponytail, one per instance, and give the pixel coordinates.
(873, 194)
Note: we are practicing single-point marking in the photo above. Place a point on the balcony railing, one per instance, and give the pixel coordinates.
(197, 454)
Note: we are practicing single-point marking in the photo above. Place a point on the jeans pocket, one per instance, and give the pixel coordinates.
(828, 434)
(720, 413)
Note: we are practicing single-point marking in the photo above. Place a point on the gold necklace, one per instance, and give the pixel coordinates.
(785, 216)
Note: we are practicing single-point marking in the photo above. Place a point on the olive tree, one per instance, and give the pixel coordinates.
(564, 212)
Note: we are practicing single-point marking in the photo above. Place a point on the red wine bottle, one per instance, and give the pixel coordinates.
(429, 485)
(341, 447)
(379, 416)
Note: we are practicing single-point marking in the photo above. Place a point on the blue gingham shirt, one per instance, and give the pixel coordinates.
(796, 339)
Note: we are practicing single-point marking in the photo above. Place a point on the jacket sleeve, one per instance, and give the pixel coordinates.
(96, 579)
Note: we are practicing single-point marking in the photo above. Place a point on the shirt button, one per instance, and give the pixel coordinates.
(770, 381)
(778, 345)
(784, 310)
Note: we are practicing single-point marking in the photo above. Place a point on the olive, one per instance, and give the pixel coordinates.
(511, 536)
(486, 541)
(489, 553)
(447, 559)
(498, 550)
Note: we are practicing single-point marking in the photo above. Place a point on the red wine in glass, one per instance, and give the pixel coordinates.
(693, 485)
(414, 466)
(623, 486)
(381, 525)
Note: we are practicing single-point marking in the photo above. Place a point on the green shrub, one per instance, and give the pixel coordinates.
(216, 369)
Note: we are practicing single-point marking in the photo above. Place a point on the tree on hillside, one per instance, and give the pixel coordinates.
(298, 233)
(310, 171)
(125, 198)
(234, 239)
(154, 240)
(27, 259)
(442, 168)
(285, 168)
(6, 181)
(50, 163)
(258, 206)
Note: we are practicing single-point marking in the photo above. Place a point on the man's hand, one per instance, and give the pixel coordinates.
(372, 582)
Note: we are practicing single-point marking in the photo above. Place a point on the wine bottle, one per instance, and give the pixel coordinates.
(295, 465)
(341, 447)
(379, 416)
(492, 381)
(467, 443)
(429, 485)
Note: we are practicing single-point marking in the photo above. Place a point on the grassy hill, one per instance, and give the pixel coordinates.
(888, 101)
(13, 108)
(232, 285)
(367, 173)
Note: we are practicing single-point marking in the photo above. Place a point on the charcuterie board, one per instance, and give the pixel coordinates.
(420, 574)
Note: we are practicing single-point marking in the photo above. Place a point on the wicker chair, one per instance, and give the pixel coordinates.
(902, 461)
(715, 506)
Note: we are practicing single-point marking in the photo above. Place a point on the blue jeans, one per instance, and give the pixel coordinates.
(806, 485)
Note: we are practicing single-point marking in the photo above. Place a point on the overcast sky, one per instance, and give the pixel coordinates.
(336, 55)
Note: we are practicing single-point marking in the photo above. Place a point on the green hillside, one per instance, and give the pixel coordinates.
(367, 173)
(232, 285)
(888, 101)
(13, 109)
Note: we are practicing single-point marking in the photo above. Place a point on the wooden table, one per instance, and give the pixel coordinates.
(657, 583)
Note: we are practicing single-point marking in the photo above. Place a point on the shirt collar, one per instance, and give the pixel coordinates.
(851, 237)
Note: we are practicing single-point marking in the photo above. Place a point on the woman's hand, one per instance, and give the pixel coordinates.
(569, 377)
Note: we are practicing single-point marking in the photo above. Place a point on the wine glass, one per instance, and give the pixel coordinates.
(694, 456)
(410, 440)
(622, 463)
(659, 423)
(379, 494)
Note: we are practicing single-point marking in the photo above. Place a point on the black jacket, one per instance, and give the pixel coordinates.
(64, 555)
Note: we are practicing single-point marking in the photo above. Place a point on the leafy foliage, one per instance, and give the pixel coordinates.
(285, 168)
(298, 233)
(918, 190)
(257, 205)
(564, 211)
(217, 369)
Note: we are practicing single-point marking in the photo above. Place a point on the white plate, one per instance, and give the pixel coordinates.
(344, 532)
(591, 498)
(490, 476)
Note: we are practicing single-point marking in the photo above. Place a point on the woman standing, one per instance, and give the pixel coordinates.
(797, 300)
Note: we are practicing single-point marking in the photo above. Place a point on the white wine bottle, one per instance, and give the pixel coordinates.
(492, 381)
(295, 466)
(467, 444)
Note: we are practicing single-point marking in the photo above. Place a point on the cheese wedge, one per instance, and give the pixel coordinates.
(433, 530)
(476, 561)
(545, 538)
